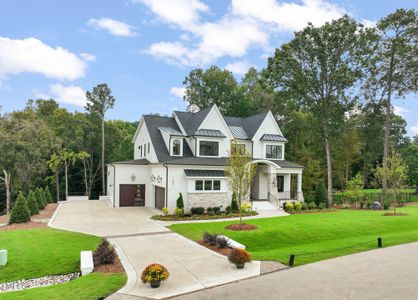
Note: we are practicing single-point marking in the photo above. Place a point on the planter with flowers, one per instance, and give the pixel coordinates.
(239, 257)
(154, 274)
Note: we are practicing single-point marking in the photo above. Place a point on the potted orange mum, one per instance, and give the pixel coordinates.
(239, 257)
(154, 274)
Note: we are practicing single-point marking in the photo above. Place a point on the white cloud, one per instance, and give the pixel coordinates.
(71, 94)
(368, 23)
(246, 24)
(112, 26)
(414, 129)
(238, 67)
(178, 91)
(88, 57)
(31, 55)
(400, 111)
(183, 13)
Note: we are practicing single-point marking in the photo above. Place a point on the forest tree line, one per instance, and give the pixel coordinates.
(331, 89)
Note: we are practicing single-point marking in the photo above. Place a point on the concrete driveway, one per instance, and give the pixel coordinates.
(98, 218)
(140, 241)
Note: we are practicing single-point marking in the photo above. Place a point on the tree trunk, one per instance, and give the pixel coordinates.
(387, 129)
(6, 180)
(66, 180)
(85, 177)
(103, 158)
(328, 155)
(57, 185)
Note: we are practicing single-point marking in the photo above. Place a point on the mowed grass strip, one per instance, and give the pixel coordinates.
(42, 251)
(92, 286)
(314, 237)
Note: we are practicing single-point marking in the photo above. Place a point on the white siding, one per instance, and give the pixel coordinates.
(268, 126)
(142, 138)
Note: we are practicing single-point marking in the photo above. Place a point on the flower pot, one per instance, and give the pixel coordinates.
(240, 266)
(155, 284)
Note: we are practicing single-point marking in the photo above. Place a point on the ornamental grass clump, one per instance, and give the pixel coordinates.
(239, 257)
(154, 274)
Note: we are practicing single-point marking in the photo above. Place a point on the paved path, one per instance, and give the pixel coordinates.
(388, 273)
(140, 241)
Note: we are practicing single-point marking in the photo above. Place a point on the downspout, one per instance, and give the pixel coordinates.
(166, 185)
(114, 182)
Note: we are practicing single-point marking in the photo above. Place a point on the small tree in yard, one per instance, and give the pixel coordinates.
(32, 203)
(396, 172)
(239, 174)
(48, 196)
(355, 186)
(320, 194)
(234, 203)
(39, 198)
(20, 212)
(180, 202)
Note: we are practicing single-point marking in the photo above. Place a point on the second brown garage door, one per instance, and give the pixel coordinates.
(159, 197)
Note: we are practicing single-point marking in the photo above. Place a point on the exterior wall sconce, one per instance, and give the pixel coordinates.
(133, 177)
(159, 178)
(152, 178)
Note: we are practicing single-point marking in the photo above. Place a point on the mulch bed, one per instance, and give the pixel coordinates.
(241, 227)
(116, 267)
(37, 221)
(391, 214)
(223, 251)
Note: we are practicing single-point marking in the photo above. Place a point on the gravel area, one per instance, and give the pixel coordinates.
(37, 282)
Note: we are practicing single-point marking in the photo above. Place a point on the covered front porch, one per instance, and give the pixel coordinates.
(277, 182)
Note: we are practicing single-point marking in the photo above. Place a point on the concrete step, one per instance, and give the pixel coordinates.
(263, 205)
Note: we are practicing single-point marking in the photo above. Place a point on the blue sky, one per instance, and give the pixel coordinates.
(143, 49)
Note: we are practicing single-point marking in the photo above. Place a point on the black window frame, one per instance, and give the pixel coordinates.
(218, 185)
(207, 148)
(196, 185)
(179, 147)
(279, 151)
(149, 148)
(211, 185)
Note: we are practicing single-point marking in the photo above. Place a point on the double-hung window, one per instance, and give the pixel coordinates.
(274, 151)
(207, 185)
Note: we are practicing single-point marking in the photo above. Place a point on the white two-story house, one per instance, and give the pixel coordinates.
(187, 153)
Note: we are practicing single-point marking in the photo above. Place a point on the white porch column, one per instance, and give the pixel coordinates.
(299, 187)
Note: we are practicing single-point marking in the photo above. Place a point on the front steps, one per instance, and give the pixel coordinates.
(263, 205)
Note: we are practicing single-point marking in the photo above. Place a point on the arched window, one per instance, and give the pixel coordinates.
(176, 147)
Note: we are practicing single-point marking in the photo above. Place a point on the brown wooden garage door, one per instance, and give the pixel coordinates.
(159, 197)
(132, 195)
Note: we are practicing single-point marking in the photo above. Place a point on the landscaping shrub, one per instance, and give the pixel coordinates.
(228, 209)
(239, 256)
(312, 205)
(209, 238)
(305, 206)
(234, 203)
(20, 212)
(178, 212)
(217, 210)
(32, 203)
(246, 207)
(210, 211)
(48, 196)
(222, 242)
(386, 205)
(104, 254)
(298, 206)
(289, 207)
(180, 202)
(165, 211)
(39, 198)
(321, 194)
(322, 206)
(197, 210)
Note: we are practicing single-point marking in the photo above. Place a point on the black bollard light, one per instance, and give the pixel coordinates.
(291, 260)
(379, 242)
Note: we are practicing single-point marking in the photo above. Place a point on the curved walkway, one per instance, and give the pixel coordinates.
(140, 241)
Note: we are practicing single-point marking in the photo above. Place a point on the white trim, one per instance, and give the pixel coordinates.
(141, 121)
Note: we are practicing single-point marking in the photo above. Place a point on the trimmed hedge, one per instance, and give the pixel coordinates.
(20, 212)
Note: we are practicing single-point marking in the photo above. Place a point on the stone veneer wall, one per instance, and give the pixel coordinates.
(208, 200)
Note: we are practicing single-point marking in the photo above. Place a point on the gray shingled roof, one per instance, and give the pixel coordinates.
(153, 122)
(142, 161)
(286, 164)
(273, 138)
(238, 132)
(170, 131)
(191, 121)
(250, 125)
(210, 132)
(204, 173)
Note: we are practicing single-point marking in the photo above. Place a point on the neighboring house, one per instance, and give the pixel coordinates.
(187, 153)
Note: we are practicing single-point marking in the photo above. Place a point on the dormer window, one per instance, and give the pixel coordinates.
(208, 148)
(176, 147)
(274, 151)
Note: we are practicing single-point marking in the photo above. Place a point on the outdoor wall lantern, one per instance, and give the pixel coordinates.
(159, 179)
(152, 178)
(133, 177)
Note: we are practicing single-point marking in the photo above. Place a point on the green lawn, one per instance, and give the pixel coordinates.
(91, 286)
(314, 237)
(45, 251)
